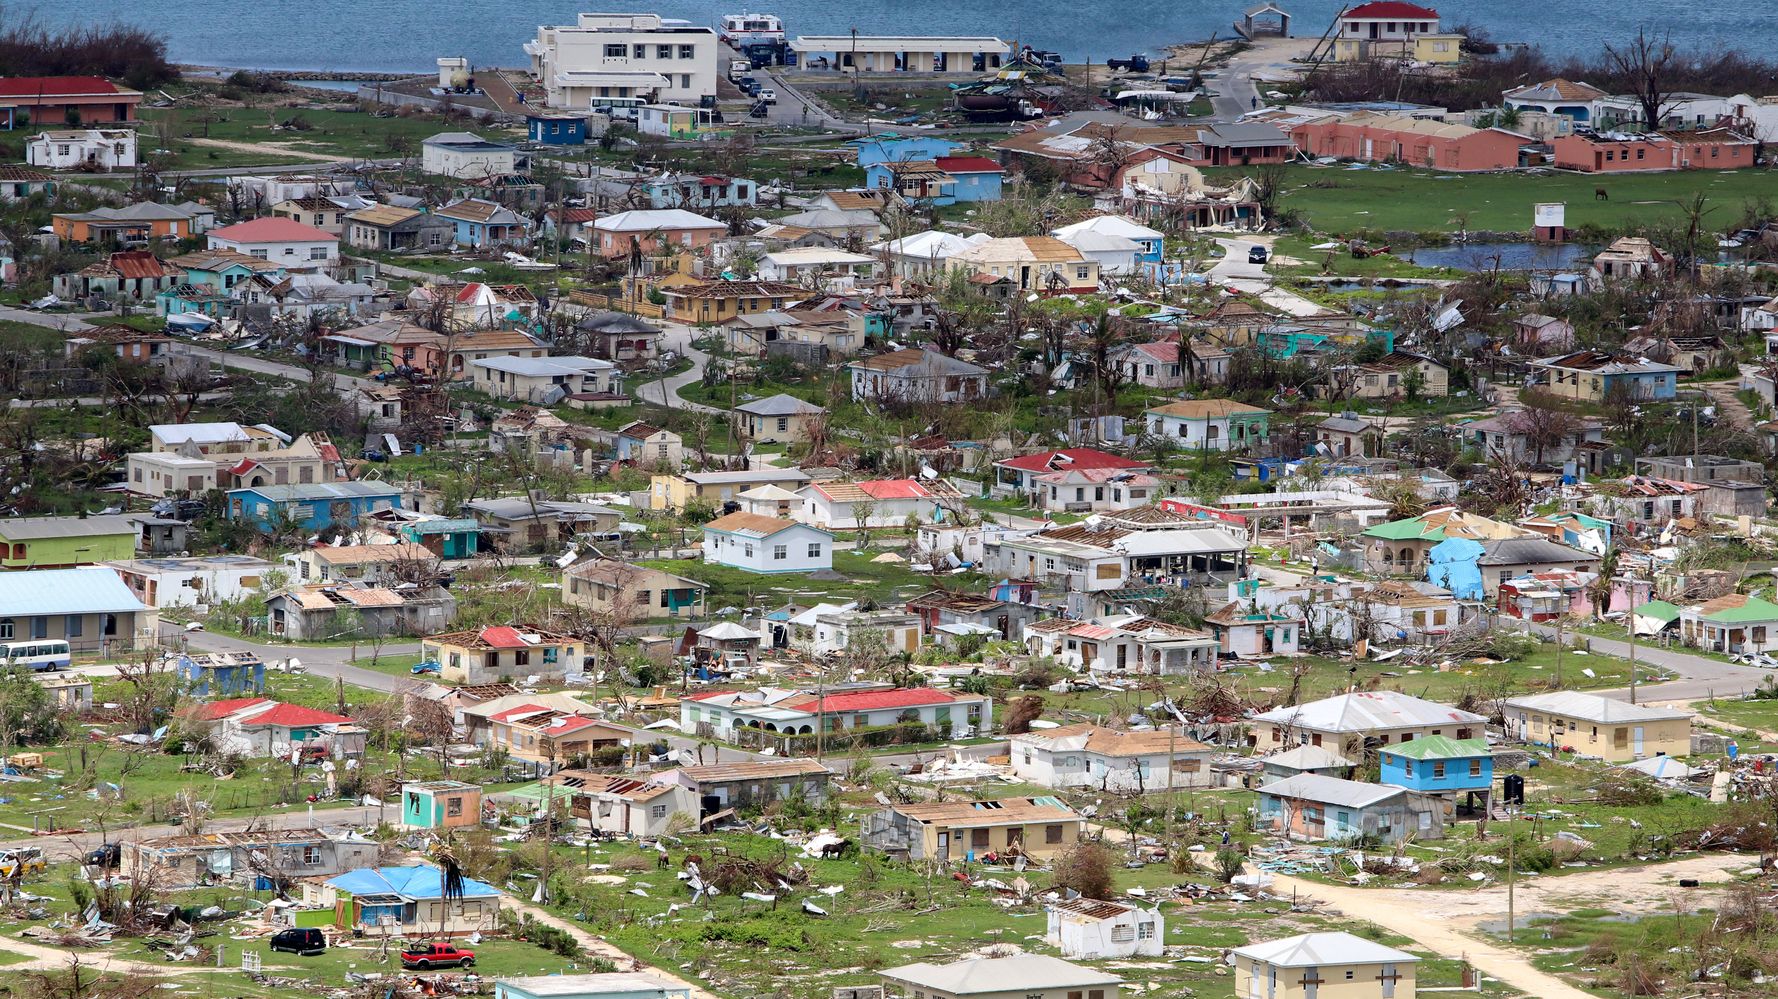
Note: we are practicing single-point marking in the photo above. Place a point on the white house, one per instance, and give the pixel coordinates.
(1114, 254)
(1086, 755)
(887, 502)
(917, 375)
(188, 582)
(1150, 243)
(1209, 424)
(82, 148)
(1090, 929)
(924, 255)
(836, 630)
(766, 544)
(1096, 489)
(809, 266)
(1123, 645)
(624, 58)
(280, 240)
(467, 156)
(545, 380)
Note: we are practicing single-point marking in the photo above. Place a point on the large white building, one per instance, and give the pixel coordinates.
(279, 240)
(467, 156)
(766, 544)
(629, 59)
(82, 148)
(1086, 755)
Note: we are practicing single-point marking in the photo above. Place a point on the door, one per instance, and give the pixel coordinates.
(944, 846)
(1636, 738)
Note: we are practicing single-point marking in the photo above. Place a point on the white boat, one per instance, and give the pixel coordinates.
(742, 30)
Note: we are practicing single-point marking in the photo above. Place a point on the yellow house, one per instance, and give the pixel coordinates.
(781, 418)
(675, 492)
(1334, 965)
(706, 303)
(1615, 731)
(1389, 377)
(1042, 828)
(1442, 49)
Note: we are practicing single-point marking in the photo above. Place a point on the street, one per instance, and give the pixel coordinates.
(1700, 677)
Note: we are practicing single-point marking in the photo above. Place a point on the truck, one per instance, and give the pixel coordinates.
(423, 957)
(738, 68)
(1134, 64)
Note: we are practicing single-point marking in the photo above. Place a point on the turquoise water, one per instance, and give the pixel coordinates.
(393, 35)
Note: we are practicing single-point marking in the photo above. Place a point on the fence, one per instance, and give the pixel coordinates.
(595, 300)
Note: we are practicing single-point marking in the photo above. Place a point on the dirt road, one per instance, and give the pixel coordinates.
(1444, 921)
(268, 149)
(594, 945)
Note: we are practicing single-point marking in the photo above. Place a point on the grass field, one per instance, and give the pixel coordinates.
(346, 134)
(1337, 200)
(886, 583)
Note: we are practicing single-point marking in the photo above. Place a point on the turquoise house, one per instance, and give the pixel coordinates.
(448, 537)
(1439, 765)
(1285, 341)
(440, 804)
(314, 506)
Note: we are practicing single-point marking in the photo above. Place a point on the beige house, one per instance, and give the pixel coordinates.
(603, 585)
(1021, 976)
(1042, 828)
(1615, 731)
(779, 419)
(1041, 264)
(1392, 375)
(675, 492)
(371, 563)
(1334, 965)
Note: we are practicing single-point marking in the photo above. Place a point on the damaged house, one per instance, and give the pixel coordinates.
(258, 858)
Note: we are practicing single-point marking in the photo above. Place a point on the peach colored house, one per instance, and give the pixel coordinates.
(1372, 137)
(1704, 149)
(654, 231)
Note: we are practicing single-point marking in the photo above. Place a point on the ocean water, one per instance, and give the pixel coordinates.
(392, 35)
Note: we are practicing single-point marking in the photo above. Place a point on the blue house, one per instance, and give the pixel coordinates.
(227, 674)
(412, 900)
(556, 129)
(1440, 765)
(482, 223)
(1309, 806)
(209, 277)
(700, 192)
(314, 506)
(446, 537)
(1285, 341)
(898, 149)
(1595, 376)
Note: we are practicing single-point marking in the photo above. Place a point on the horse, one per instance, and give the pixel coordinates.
(1601, 194)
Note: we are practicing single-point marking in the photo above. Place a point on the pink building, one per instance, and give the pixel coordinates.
(1547, 596)
(1704, 149)
(1422, 142)
(652, 232)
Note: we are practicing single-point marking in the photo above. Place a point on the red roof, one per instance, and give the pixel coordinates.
(272, 229)
(705, 695)
(575, 214)
(895, 489)
(873, 700)
(218, 710)
(1074, 457)
(523, 709)
(56, 86)
(503, 637)
(1387, 9)
(246, 465)
(136, 264)
(295, 716)
(968, 164)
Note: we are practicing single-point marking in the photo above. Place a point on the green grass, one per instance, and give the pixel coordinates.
(1423, 201)
(1753, 714)
(888, 584)
(347, 134)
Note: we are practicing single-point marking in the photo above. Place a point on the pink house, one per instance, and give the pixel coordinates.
(1704, 149)
(1438, 145)
(652, 232)
(1547, 596)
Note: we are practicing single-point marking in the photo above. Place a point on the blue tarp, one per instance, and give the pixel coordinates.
(408, 882)
(1452, 564)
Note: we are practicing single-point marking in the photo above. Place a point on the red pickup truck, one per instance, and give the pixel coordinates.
(427, 956)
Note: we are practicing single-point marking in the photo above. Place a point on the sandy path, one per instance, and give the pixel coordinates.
(1444, 921)
(594, 945)
(266, 148)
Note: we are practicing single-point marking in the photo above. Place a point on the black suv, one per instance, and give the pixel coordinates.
(301, 942)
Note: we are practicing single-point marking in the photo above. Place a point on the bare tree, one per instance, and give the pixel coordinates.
(1643, 68)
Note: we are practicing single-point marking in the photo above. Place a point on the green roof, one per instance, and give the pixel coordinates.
(1406, 530)
(1660, 610)
(1438, 747)
(1754, 609)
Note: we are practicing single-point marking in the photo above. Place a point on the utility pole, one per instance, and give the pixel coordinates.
(1560, 619)
(1511, 859)
(1630, 619)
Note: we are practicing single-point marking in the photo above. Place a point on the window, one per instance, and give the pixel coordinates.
(688, 52)
(522, 657)
(257, 255)
(814, 549)
(74, 626)
(1080, 272)
(1475, 768)
(685, 80)
(1052, 834)
(663, 51)
(1438, 770)
(747, 550)
(658, 811)
(780, 552)
(615, 51)
(783, 424)
(641, 52)
(317, 253)
(311, 855)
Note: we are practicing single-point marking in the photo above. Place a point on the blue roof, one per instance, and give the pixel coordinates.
(299, 492)
(34, 592)
(409, 882)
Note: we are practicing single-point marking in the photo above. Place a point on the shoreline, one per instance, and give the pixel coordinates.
(299, 75)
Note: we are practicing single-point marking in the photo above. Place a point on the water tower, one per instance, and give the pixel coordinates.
(1549, 223)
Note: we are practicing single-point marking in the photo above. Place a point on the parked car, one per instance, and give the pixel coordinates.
(372, 454)
(768, 96)
(1258, 255)
(437, 955)
(304, 942)
(106, 855)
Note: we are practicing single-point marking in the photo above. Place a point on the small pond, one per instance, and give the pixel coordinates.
(1514, 256)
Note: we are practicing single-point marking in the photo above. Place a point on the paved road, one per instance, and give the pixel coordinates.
(346, 385)
(1238, 84)
(1700, 677)
(67, 322)
(332, 662)
(678, 338)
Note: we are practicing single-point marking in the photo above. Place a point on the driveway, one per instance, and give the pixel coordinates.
(678, 338)
(1237, 84)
